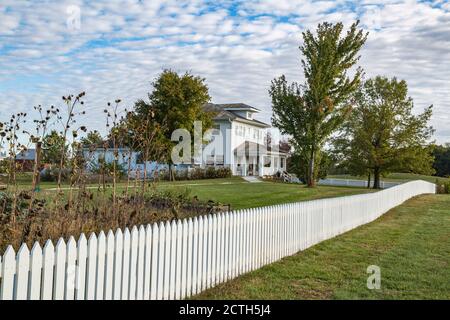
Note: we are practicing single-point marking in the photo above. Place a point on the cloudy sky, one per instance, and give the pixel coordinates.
(114, 49)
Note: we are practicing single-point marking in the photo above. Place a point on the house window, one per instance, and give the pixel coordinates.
(219, 160)
(240, 131)
(139, 158)
(210, 160)
(282, 163)
(216, 129)
(267, 162)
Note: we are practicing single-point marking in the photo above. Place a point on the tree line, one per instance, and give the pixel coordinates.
(339, 118)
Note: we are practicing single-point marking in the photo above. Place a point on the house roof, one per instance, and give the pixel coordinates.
(26, 155)
(253, 148)
(237, 106)
(223, 112)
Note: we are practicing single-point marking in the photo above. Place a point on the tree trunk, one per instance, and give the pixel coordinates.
(171, 175)
(144, 187)
(376, 178)
(311, 180)
(368, 181)
(128, 172)
(37, 165)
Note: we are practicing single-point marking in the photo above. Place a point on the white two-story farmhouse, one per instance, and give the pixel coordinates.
(237, 141)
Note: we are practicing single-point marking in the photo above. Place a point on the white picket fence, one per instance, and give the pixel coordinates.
(177, 259)
(355, 183)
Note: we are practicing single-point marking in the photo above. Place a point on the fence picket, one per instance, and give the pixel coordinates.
(184, 259)
(173, 261)
(109, 266)
(194, 255)
(140, 264)
(233, 237)
(167, 247)
(69, 288)
(8, 272)
(34, 292)
(238, 244)
(220, 233)
(100, 274)
(155, 262)
(22, 268)
(200, 255)
(118, 265)
(91, 267)
(161, 252)
(80, 277)
(226, 240)
(47, 271)
(133, 263)
(179, 238)
(126, 263)
(189, 258)
(147, 261)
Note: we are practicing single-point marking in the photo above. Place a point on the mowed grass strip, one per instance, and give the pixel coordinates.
(411, 245)
(395, 177)
(234, 191)
(241, 195)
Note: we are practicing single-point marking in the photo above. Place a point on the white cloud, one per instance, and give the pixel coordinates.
(238, 47)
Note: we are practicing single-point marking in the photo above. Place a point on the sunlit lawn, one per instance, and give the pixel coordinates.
(234, 191)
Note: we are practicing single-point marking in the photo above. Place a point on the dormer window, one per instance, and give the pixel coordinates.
(250, 115)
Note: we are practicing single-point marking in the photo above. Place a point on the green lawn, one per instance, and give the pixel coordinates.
(241, 194)
(411, 245)
(395, 177)
(235, 191)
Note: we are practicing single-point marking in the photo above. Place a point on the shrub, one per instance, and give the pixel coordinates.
(197, 174)
(50, 174)
(447, 188)
(107, 168)
(210, 173)
(442, 187)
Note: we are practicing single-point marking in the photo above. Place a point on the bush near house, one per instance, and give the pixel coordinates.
(442, 187)
(199, 173)
(50, 174)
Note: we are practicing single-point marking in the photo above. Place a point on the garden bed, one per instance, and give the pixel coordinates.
(52, 217)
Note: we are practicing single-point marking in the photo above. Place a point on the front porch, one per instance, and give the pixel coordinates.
(252, 159)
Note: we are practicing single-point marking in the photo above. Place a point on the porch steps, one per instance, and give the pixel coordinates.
(252, 179)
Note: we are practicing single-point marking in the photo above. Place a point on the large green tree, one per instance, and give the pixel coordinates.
(442, 160)
(93, 138)
(52, 145)
(383, 135)
(175, 103)
(311, 112)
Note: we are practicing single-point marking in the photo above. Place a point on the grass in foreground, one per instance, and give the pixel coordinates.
(411, 245)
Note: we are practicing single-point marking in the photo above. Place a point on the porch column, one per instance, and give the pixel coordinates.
(261, 166)
(244, 165)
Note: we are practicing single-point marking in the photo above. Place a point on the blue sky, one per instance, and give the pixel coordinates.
(119, 47)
